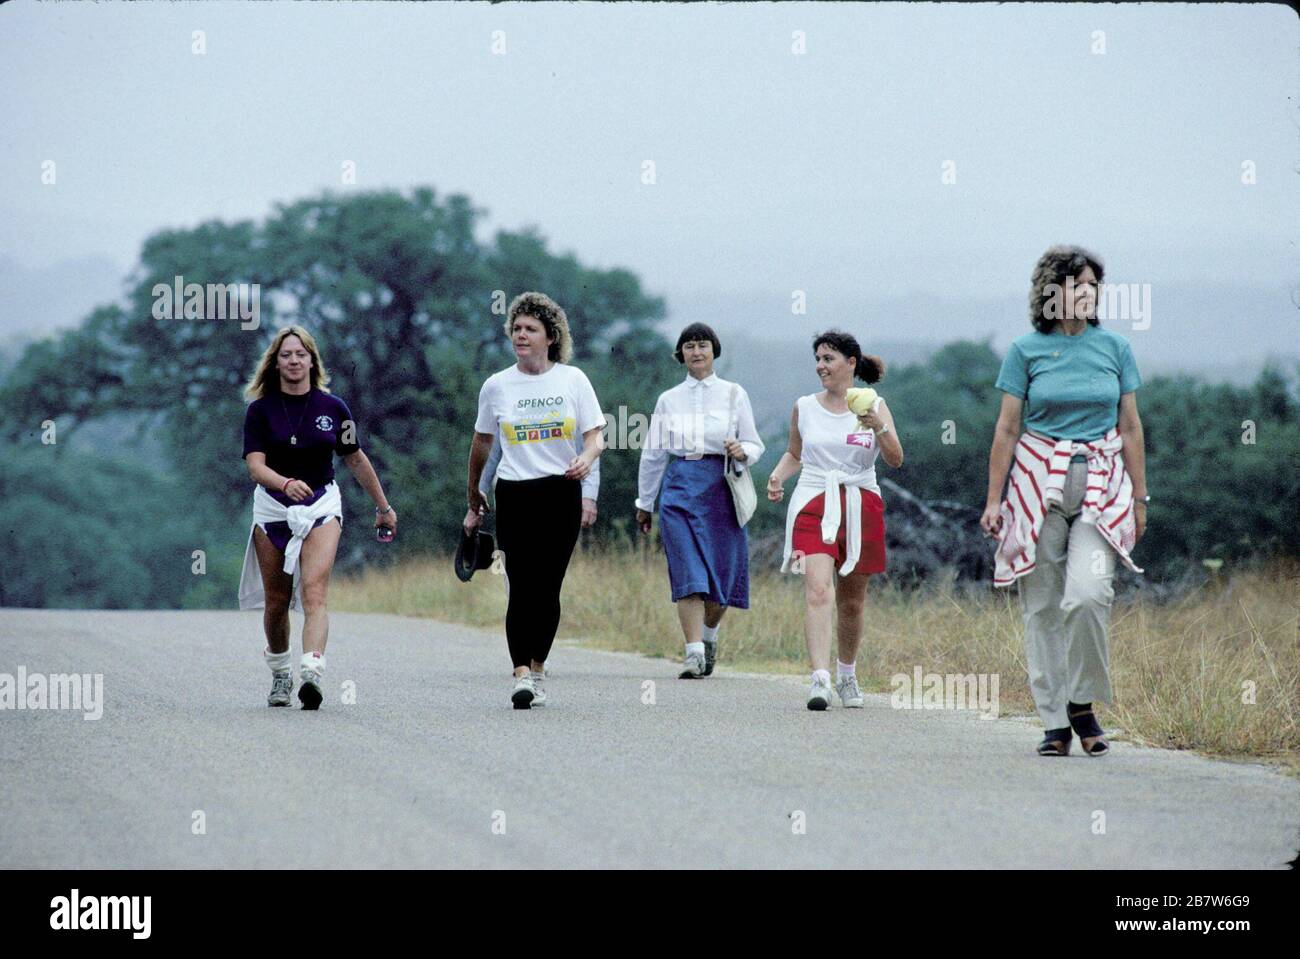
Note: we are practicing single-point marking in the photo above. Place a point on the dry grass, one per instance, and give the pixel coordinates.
(1180, 671)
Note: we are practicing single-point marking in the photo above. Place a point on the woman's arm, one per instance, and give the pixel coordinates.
(361, 467)
(593, 444)
(478, 454)
(890, 447)
(654, 461)
(1135, 455)
(263, 475)
(1005, 435)
(789, 463)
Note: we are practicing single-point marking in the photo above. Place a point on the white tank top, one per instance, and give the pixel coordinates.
(836, 441)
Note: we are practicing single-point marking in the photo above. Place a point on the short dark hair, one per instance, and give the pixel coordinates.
(697, 331)
(1052, 270)
(869, 369)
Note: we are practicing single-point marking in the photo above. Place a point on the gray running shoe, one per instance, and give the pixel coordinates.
(710, 656)
(539, 694)
(692, 667)
(850, 695)
(281, 687)
(819, 695)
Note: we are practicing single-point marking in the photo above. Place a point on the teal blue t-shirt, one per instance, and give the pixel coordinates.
(1071, 385)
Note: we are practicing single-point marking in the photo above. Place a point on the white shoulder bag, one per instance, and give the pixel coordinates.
(743, 496)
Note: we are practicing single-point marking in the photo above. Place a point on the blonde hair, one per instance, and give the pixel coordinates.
(551, 316)
(266, 379)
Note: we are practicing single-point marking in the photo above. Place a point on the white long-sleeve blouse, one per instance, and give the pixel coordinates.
(692, 420)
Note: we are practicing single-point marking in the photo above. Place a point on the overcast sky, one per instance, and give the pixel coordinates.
(775, 171)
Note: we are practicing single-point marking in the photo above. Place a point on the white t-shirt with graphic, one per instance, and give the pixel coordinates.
(538, 418)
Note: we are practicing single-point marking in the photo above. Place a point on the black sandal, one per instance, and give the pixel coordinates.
(1085, 724)
(1056, 742)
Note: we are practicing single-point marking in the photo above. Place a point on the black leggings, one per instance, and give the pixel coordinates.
(537, 528)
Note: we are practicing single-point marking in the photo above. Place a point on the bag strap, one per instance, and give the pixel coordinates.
(732, 426)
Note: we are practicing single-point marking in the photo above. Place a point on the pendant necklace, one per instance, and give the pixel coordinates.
(293, 434)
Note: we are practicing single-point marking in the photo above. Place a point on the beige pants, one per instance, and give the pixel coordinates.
(1066, 602)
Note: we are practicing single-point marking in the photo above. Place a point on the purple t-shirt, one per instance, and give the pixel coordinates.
(318, 420)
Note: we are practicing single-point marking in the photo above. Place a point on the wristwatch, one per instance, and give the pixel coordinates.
(883, 430)
(1143, 499)
(386, 509)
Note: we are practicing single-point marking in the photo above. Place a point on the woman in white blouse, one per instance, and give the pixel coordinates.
(836, 518)
(695, 426)
(539, 409)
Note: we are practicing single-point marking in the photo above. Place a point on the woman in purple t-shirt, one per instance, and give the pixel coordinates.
(292, 430)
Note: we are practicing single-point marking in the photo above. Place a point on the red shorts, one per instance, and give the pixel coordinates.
(807, 538)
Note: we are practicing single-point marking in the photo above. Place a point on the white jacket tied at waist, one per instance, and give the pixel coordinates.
(301, 520)
(814, 481)
(1039, 469)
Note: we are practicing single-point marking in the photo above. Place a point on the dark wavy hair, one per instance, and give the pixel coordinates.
(1054, 267)
(869, 369)
(697, 331)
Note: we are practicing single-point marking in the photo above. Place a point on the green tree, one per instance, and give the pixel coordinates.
(407, 306)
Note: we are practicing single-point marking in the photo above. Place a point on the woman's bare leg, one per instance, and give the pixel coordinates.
(278, 587)
(713, 614)
(850, 601)
(819, 569)
(316, 563)
(690, 614)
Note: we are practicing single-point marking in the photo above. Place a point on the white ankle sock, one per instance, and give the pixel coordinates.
(696, 648)
(823, 674)
(313, 661)
(279, 662)
(845, 669)
(710, 634)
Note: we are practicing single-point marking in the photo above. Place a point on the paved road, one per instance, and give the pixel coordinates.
(430, 758)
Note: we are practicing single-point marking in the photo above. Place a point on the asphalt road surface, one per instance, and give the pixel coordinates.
(430, 767)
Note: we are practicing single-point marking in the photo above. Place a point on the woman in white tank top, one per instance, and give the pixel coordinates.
(835, 532)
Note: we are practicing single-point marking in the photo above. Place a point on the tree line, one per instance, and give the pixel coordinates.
(407, 304)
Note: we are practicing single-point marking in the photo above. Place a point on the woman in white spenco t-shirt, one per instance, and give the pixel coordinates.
(836, 518)
(537, 407)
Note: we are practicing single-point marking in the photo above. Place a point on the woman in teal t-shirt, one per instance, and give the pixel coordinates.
(1075, 491)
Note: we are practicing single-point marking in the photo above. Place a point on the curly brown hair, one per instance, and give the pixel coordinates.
(551, 316)
(1054, 267)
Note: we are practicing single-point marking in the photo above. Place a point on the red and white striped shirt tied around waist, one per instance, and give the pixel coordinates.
(1037, 480)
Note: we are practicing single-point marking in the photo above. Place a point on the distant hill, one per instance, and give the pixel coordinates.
(57, 295)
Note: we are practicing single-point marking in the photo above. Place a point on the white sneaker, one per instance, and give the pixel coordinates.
(309, 693)
(850, 695)
(819, 695)
(539, 694)
(692, 666)
(524, 693)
